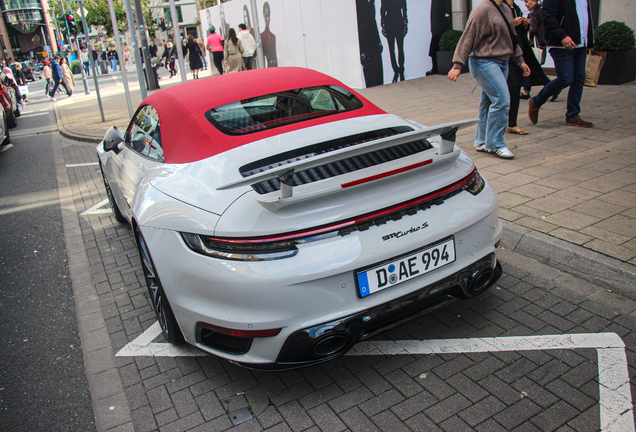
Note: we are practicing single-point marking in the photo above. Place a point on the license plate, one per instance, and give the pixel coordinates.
(405, 267)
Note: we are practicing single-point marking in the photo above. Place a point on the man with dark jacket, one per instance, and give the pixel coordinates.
(568, 32)
(57, 78)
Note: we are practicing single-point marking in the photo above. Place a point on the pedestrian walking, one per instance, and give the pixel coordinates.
(20, 80)
(515, 74)
(249, 45)
(85, 62)
(9, 79)
(57, 78)
(171, 54)
(233, 53)
(113, 58)
(194, 56)
(126, 58)
(488, 43)
(215, 45)
(67, 75)
(48, 75)
(568, 31)
(165, 55)
(152, 49)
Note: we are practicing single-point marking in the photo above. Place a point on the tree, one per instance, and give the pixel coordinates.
(98, 14)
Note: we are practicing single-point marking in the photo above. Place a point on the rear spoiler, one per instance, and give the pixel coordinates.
(284, 173)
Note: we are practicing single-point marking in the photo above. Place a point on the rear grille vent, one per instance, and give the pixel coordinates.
(337, 168)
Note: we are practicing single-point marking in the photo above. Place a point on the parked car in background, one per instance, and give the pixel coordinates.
(33, 71)
(281, 217)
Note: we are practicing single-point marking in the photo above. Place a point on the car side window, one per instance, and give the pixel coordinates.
(144, 133)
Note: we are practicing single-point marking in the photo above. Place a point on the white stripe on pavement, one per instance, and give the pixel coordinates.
(615, 398)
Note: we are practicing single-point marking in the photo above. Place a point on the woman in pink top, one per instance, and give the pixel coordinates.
(215, 46)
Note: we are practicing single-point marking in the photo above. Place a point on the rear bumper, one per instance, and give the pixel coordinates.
(333, 339)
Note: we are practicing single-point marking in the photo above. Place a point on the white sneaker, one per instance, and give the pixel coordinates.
(482, 148)
(503, 153)
(52, 98)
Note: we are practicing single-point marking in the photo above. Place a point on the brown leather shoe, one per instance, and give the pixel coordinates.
(578, 121)
(533, 112)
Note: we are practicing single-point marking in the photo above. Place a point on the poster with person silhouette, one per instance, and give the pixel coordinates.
(361, 42)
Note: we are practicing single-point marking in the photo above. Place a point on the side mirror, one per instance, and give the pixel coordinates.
(112, 138)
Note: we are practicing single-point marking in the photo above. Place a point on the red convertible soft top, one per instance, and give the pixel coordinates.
(186, 134)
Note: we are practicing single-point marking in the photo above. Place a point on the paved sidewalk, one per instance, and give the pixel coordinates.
(568, 198)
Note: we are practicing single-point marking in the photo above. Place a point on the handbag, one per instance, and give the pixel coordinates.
(24, 89)
(539, 53)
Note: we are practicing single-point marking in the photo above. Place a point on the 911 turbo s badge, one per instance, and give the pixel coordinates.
(399, 234)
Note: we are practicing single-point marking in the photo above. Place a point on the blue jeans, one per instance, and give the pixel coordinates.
(570, 69)
(113, 64)
(491, 75)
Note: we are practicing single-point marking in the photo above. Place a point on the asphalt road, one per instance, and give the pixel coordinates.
(43, 386)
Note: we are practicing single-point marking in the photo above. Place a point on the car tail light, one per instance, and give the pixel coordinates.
(240, 250)
(476, 184)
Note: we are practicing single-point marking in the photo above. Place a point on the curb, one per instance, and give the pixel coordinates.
(109, 402)
(72, 136)
(576, 260)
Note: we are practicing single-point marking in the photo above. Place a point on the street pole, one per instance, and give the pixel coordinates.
(177, 40)
(113, 19)
(68, 33)
(133, 34)
(257, 33)
(150, 73)
(91, 61)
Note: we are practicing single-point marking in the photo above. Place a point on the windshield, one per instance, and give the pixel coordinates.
(281, 108)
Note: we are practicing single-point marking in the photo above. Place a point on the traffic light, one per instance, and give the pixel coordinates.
(162, 24)
(61, 21)
(70, 20)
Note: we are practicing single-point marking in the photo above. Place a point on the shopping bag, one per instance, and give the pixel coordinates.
(24, 90)
(539, 52)
(593, 65)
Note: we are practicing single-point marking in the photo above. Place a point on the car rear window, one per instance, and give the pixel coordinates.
(281, 108)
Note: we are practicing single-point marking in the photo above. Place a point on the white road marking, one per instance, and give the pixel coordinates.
(615, 397)
(97, 209)
(33, 114)
(82, 164)
(6, 147)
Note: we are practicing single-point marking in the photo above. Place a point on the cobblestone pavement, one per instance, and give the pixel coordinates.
(549, 389)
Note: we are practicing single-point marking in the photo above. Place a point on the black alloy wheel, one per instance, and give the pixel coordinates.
(167, 321)
(119, 217)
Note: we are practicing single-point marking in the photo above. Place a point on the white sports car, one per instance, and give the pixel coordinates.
(281, 217)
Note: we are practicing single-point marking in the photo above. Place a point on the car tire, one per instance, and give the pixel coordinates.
(119, 217)
(169, 326)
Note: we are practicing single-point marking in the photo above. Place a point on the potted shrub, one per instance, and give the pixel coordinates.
(76, 67)
(617, 41)
(447, 44)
